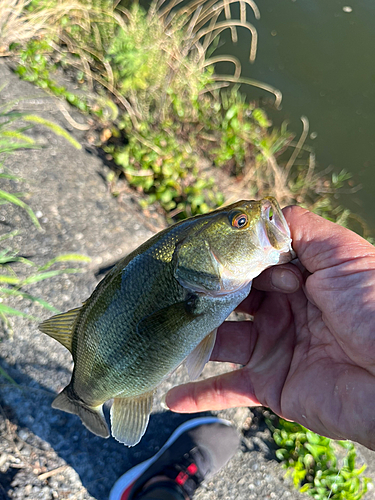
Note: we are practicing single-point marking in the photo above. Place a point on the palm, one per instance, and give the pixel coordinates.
(300, 370)
(309, 355)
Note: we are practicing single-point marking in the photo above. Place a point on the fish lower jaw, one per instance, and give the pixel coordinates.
(287, 256)
(230, 286)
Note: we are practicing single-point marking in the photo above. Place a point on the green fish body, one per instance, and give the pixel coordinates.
(160, 305)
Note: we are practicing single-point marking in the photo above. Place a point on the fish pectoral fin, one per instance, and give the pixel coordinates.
(60, 327)
(92, 417)
(130, 416)
(169, 319)
(197, 359)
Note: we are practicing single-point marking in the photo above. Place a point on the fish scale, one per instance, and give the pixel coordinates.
(160, 305)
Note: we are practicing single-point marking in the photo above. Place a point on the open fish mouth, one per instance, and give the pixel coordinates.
(273, 215)
(274, 234)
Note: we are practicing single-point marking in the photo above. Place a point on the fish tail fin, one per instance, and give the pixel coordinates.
(92, 417)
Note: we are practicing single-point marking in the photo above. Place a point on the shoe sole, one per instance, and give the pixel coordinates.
(135, 472)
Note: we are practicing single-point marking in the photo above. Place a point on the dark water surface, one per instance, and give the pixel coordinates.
(321, 55)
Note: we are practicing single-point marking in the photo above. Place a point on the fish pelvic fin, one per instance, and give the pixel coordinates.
(130, 416)
(197, 359)
(60, 327)
(92, 417)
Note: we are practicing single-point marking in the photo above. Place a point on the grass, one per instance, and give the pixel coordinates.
(159, 69)
(13, 137)
(161, 107)
(17, 25)
(13, 282)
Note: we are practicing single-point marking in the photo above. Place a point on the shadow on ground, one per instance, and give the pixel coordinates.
(98, 462)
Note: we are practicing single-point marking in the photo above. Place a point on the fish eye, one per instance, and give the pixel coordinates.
(240, 221)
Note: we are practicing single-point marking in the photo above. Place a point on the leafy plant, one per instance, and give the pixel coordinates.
(36, 66)
(169, 107)
(156, 65)
(313, 463)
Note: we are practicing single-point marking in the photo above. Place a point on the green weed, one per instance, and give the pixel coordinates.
(13, 137)
(169, 108)
(313, 464)
(36, 67)
(157, 66)
(12, 282)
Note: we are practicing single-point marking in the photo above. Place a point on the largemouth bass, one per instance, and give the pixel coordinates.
(160, 305)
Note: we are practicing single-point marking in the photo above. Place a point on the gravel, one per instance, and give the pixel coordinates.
(47, 454)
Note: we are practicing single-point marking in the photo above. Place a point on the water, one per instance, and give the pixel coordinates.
(320, 54)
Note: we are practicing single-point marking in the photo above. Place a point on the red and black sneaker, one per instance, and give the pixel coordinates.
(196, 451)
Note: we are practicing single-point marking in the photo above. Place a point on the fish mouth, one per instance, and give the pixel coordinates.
(263, 237)
(274, 234)
(272, 214)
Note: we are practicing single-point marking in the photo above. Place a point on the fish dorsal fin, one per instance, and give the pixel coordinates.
(130, 416)
(197, 359)
(60, 327)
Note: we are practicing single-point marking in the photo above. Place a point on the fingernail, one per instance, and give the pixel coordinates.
(284, 280)
(163, 403)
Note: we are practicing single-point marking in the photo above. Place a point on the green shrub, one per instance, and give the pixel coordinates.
(156, 66)
(312, 462)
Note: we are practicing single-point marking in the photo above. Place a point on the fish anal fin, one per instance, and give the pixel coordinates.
(130, 416)
(197, 359)
(60, 327)
(92, 417)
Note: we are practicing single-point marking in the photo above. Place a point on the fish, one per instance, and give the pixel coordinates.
(160, 306)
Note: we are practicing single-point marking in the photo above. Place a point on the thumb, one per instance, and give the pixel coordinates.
(216, 393)
(321, 244)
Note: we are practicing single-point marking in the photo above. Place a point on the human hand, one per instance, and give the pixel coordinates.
(309, 354)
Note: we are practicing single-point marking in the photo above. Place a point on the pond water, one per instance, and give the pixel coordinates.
(320, 54)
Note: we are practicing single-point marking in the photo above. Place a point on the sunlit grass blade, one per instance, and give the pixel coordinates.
(17, 293)
(11, 177)
(54, 127)
(11, 198)
(6, 310)
(15, 134)
(49, 274)
(9, 235)
(11, 280)
(7, 258)
(9, 147)
(4, 253)
(65, 258)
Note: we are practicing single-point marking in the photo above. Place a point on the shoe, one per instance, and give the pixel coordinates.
(196, 451)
